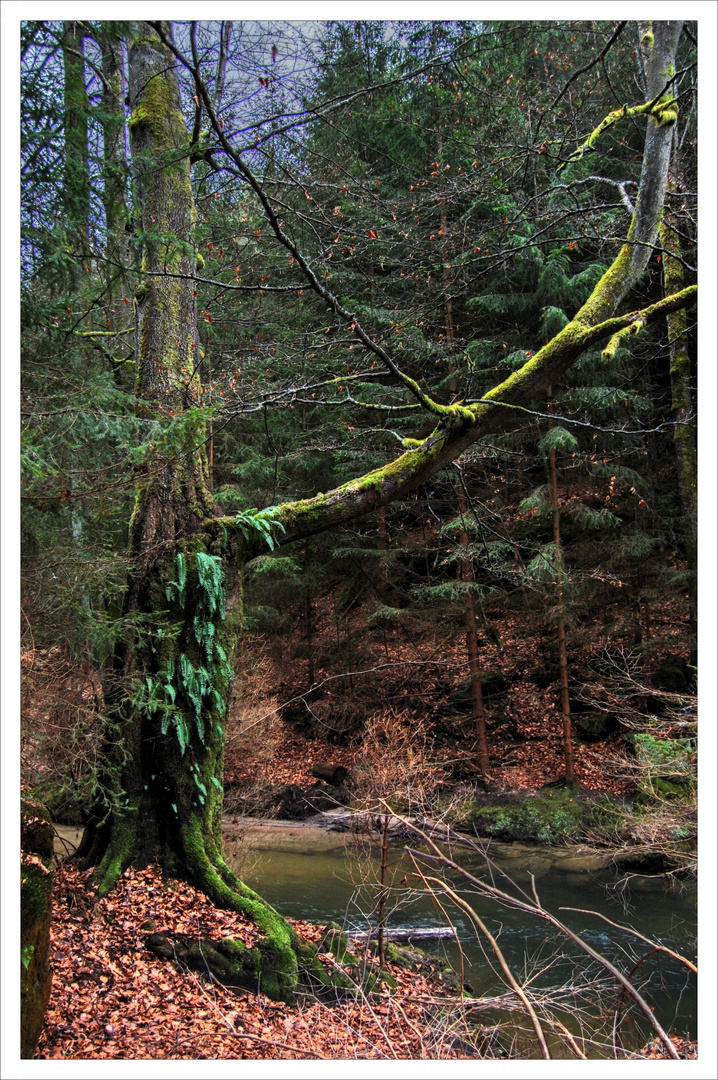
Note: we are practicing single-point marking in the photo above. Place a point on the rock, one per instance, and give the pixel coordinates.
(36, 878)
(672, 675)
(330, 774)
(594, 727)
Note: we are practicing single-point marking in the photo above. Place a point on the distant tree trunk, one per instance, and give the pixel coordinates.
(682, 408)
(76, 192)
(309, 621)
(567, 730)
(478, 710)
(383, 567)
(221, 75)
(114, 162)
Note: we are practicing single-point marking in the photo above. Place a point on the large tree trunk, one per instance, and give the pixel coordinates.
(162, 797)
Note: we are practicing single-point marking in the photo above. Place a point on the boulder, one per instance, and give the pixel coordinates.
(672, 674)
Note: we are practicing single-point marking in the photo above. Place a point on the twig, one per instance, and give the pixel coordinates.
(510, 977)
(629, 930)
(542, 913)
(592, 63)
(246, 1035)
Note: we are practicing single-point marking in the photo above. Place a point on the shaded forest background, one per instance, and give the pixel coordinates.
(260, 260)
(550, 573)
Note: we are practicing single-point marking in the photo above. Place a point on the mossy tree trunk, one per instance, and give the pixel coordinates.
(162, 788)
(163, 782)
(76, 192)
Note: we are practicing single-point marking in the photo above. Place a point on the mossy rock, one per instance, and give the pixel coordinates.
(36, 882)
(668, 767)
(594, 727)
(412, 958)
(549, 818)
(493, 689)
(335, 942)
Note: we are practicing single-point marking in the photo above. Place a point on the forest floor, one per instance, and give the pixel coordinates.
(390, 705)
(112, 999)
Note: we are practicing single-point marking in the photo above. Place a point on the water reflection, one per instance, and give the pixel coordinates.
(341, 884)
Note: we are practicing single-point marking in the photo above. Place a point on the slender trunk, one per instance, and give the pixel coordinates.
(309, 620)
(381, 530)
(381, 914)
(567, 730)
(114, 161)
(220, 77)
(76, 193)
(682, 408)
(478, 711)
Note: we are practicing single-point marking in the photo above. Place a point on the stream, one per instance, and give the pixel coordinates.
(311, 873)
(320, 876)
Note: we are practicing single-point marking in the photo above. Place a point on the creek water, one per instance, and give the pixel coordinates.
(322, 877)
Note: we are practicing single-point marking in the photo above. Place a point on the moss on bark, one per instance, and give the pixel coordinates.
(36, 882)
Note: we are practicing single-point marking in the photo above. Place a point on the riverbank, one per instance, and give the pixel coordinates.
(136, 1005)
(336, 830)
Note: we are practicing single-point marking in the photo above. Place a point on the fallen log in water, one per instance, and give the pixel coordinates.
(408, 933)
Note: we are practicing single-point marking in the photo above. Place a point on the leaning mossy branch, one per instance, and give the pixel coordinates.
(664, 111)
(454, 434)
(633, 328)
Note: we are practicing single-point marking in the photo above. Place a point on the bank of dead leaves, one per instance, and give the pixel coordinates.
(112, 999)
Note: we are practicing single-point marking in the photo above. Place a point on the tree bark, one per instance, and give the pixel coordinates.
(566, 728)
(162, 782)
(682, 407)
(114, 163)
(478, 710)
(76, 193)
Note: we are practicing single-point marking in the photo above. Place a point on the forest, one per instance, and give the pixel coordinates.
(359, 528)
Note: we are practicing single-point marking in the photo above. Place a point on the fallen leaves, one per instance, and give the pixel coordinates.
(112, 999)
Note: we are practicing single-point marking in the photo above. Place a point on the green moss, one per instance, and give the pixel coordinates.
(549, 818)
(36, 884)
(664, 111)
(154, 107)
(117, 856)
